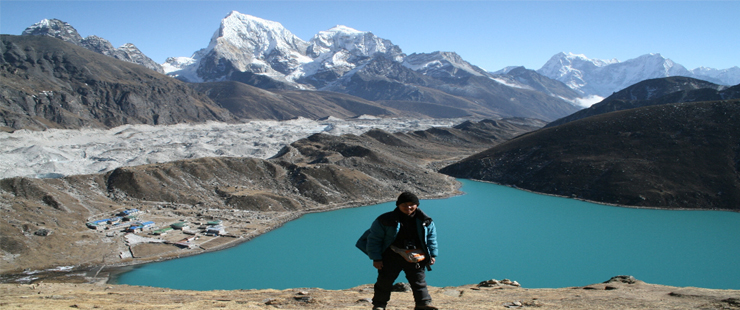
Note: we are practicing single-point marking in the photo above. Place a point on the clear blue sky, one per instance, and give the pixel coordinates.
(490, 34)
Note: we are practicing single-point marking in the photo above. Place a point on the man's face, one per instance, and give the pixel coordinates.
(408, 208)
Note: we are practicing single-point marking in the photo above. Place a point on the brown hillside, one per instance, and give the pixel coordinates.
(249, 102)
(669, 156)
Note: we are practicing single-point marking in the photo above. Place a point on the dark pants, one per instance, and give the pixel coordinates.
(393, 264)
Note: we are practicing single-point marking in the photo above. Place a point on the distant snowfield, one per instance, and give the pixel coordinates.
(59, 152)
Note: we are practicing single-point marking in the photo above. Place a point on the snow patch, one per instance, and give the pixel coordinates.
(585, 102)
(510, 84)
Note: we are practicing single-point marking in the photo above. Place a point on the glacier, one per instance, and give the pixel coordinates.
(60, 152)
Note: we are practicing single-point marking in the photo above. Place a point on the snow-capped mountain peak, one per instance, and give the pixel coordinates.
(344, 29)
(248, 44)
(244, 43)
(564, 64)
(729, 76)
(54, 28)
(603, 77)
(354, 42)
(257, 35)
(341, 50)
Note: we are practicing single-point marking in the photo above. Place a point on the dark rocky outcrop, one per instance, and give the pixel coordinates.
(48, 83)
(666, 156)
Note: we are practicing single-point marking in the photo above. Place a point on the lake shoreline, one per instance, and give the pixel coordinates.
(604, 203)
(109, 273)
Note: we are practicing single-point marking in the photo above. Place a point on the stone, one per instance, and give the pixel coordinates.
(305, 299)
(514, 304)
(735, 302)
(42, 232)
(401, 287)
(622, 279)
(489, 283)
(272, 302)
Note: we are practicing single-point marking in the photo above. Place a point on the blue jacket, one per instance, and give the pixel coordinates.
(384, 229)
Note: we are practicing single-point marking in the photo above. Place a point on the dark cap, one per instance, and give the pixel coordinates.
(407, 197)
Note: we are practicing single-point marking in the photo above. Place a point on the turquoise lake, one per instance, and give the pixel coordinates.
(491, 232)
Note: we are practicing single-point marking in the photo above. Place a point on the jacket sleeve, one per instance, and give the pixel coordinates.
(375, 241)
(432, 240)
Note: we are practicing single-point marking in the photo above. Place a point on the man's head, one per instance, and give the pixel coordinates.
(407, 202)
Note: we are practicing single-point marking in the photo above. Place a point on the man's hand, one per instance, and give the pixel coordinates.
(378, 264)
(431, 261)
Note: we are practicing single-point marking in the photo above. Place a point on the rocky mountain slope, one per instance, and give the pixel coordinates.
(48, 83)
(682, 155)
(61, 30)
(381, 79)
(45, 222)
(249, 102)
(542, 83)
(654, 92)
(604, 77)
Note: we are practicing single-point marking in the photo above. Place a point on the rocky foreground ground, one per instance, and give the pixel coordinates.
(617, 293)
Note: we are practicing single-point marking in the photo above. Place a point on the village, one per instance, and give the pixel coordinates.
(167, 230)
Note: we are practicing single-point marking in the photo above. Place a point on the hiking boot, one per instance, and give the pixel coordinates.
(378, 308)
(427, 306)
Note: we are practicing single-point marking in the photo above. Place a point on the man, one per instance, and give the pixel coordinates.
(389, 241)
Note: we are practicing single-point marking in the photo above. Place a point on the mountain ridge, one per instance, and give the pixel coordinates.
(263, 53)
(604, 77)
(330, 59)
(655, 92)
(61, 30)
(361, 64)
